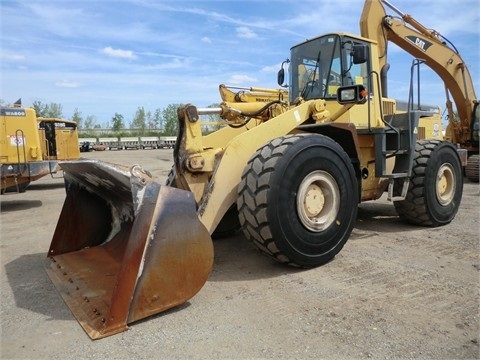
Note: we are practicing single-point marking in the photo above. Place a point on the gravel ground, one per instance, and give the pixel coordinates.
(394, 291)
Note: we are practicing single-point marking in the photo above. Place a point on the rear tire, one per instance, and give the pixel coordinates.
(298, 199)
(436, 185)
(471, 170)
(19, 188)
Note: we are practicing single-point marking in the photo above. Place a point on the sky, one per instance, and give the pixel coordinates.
(107, 57)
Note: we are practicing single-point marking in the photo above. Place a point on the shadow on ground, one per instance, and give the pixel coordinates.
(33, 290)
(18, 205)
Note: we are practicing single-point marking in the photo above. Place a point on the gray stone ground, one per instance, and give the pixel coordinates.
(395, 291)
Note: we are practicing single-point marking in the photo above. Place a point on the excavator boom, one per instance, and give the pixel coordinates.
(431, 47)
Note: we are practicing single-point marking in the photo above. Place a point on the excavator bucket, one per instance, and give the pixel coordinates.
(125, 247)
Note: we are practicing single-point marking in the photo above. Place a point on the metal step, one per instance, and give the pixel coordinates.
(402, 196)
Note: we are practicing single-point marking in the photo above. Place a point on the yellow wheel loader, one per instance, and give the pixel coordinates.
(289, 172)
(31, 147)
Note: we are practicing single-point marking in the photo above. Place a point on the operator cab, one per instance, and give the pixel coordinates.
(318, 67)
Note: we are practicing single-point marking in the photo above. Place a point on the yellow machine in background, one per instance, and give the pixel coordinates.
(59, 139)
(289, 171)
(429, 47)
(32, 147)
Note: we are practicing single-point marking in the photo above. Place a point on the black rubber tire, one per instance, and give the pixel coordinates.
(21, 188)
(270, 213)
(229, 224)
(436, 185)
(471, 170)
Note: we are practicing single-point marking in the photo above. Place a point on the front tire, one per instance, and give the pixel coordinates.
(436, 185)
(298, 199)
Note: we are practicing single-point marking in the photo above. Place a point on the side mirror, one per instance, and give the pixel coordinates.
(281, 76)
(360, 54)
(355, 94)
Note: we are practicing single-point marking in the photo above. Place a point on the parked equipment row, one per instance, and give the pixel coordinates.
(132, 142)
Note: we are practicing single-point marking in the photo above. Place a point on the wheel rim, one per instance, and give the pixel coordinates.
(318, 201)
(445, 185)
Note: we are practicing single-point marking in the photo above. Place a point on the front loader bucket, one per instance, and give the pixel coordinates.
(125, 247)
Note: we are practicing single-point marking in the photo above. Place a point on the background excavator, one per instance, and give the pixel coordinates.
(430, 47)
(31, 146)
(290, 172)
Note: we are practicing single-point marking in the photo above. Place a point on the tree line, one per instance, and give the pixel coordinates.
(144, 121)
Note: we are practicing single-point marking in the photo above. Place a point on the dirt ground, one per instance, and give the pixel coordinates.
(394, 291)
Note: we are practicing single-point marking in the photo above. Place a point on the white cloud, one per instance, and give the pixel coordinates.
(245, 32)
(67, 84)
(125, 54)
(62, 21)
(241, 79)
(270, 69)
(12, 57)
(147, 59)
(175, 63)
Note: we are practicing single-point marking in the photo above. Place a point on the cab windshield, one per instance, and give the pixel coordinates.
(320, 66)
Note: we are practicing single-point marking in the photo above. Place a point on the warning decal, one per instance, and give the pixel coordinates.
(17, 140)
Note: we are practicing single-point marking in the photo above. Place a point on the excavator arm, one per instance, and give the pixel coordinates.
(428, 45)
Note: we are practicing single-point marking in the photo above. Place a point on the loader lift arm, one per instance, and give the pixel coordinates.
(430, 46)
(196, 158)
